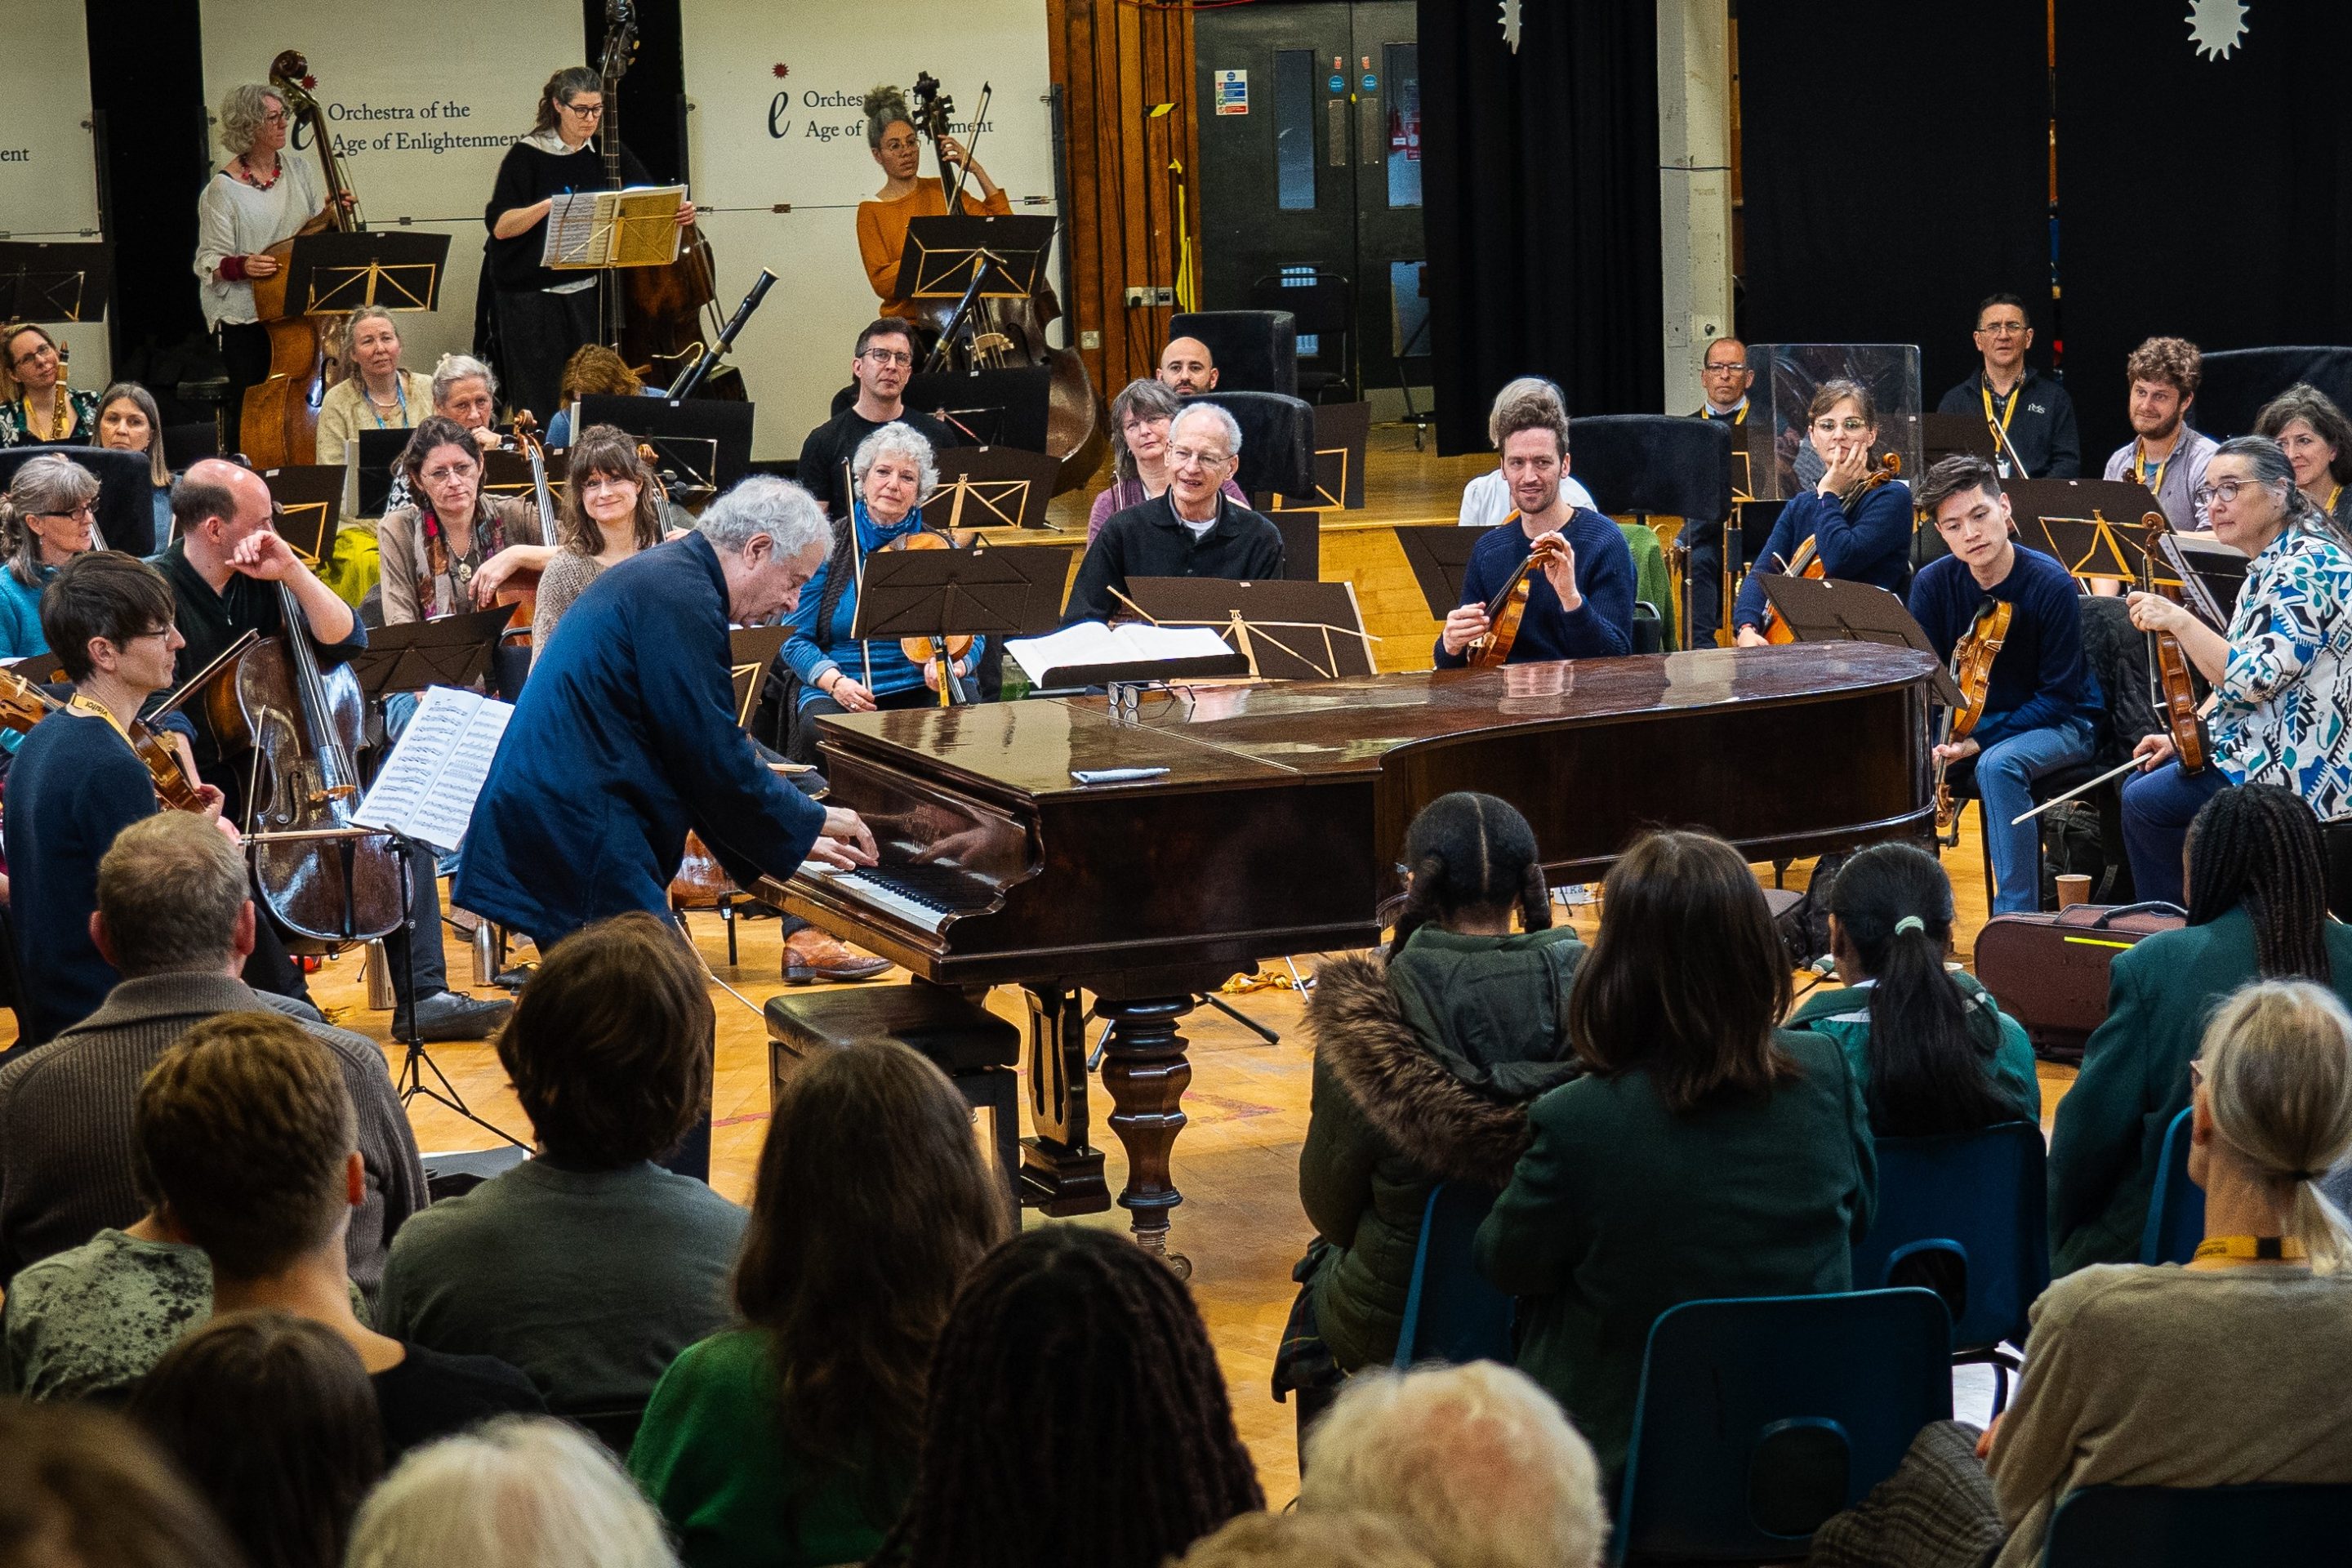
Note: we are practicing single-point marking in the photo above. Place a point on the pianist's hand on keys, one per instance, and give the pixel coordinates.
(844, 841)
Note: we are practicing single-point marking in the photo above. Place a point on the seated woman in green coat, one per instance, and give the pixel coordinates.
(1704, 1152)
(1424, 1064)
(790, 1441)
(2257, 911)
(1934, 1053)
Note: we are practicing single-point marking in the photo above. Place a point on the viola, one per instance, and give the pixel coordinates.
(2171, 686)
(925, 652)
(1807, 562)
(1508, 607)
(1971, 668)
(23, 705)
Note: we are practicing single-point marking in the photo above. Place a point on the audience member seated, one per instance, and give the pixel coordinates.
(1305, 1540)
(1933, 1050)
(88, 1322)
(2164, 453)
(1487, 500)
(247, 1132)
(465, 391)
(2257, 911)
(1425, 1066)
(85, 1489)
(377, 395)
(1140, 416)
(883, 365)
(2317, 440)
(1704, 1152)
(2227, 1372)
(450, 550)
(518, 1493)
(1191, 530)
(588, 1266)
(272, 1418)
(610, 510)
(36, 403)
(175, 916)
(791, 1439)
(1859, 532)
(1475, 1464)
(894, 473)
(2034, 414)
(129, 421)
(1187, 368)
(1072, 1341)
(592, 371)
(1580, 602)
(48, 516)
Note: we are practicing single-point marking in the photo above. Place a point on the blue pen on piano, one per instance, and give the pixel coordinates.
(1115, 775)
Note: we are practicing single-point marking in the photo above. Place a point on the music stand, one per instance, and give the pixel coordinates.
(1288, 630)
(961, 593)
(989, 407)
(990, 487)
(1943, 435)
(506, 472)
(328, 272)
(1830, 609)
(309, 502)
(374, 455)
(969, 258)
(2092, 526)
(1439, 554)
(752, 652)
(66, 282)
(454, 650)
(673, 428)
(1342, 433)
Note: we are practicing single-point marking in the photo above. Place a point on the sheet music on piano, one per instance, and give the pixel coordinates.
(427, 787)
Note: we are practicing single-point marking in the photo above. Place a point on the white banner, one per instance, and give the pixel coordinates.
(776, 93)
(49, 161)
(423, 99)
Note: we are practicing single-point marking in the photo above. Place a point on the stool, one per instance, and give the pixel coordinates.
(974, 1046)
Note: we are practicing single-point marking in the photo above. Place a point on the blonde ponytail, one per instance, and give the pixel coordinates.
(2277, 1060)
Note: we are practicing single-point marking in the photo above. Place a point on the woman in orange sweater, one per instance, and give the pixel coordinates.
(882, 222)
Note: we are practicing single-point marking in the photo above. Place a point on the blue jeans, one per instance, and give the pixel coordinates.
(2158, 809)
(2005, 773)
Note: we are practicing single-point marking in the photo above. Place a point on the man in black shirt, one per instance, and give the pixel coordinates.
(1192, 529)
(2034, 414)
(884, 364)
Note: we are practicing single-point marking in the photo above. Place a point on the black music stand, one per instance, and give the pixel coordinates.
(375, 452)
(1342, 433)
(1288, 630)
(1943, 435)
(66, 282)
(506, 472)
(1439, 554)
(309, 502)
(961, 593)
(989, 407)
(397, 268)
(990, 487)
(1830, 609)
(969, 258)
(675, 429)
(2094, 527)
(455, 650)
(752, 651)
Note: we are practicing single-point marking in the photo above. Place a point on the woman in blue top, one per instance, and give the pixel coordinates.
(48, 517)
(128, 421)
(1862, 535)
(891, 474)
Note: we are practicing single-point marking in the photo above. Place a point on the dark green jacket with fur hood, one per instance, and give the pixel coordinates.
(1425, 1066)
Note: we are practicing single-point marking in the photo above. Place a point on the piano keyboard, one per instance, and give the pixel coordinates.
(922, 896)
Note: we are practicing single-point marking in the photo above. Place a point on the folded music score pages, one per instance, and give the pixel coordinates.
(1093, 645)
(427, 786)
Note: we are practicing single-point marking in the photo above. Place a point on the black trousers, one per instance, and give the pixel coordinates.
(1705, 543)
(244, 351)
(537, 332)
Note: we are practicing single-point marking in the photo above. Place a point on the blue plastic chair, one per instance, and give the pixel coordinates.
(2176, 1205)
(1758, 1418)
(1451, 1313)
(1978, 1198)
(2191, 1527)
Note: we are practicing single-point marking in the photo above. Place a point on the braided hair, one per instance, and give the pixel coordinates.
(1076, 1413)
(1927, 1073)
(1471, 853)
(2258, 845)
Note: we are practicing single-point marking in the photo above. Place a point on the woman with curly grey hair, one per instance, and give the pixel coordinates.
(904, 197)
(254, 201)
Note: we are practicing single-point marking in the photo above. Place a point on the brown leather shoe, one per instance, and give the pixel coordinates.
(811, 956)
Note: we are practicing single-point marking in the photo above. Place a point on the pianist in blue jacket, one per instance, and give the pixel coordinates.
(625, 736)
(1862, 535)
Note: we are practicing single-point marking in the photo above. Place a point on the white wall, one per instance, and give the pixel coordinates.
(49, 164)
(1694, 187)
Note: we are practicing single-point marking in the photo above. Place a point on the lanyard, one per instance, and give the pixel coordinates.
(400, 391)
(78, 703)
(2251, 1249)
(2139, 467)
(2009, 408)
(2333, 497)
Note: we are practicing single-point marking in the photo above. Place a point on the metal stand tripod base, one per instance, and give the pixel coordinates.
(411, 1081)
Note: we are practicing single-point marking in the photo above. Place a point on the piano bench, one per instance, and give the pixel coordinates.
(977, 1049)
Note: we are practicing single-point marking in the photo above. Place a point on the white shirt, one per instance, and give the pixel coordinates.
(234, 218)
(1487, 500)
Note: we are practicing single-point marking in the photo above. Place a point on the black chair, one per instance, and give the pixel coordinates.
(1254, 351)
(616, 1429)
(1649, 628)
(186, 444)
(2238, 382)
(1324, 304)
(126, 491)
(2174, 1527)
(1640, 466)
(1277, 440)
(1302, 544)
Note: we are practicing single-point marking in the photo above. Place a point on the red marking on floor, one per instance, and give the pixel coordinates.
(1240, 1110)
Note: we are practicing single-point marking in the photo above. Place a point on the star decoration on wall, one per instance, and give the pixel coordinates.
(2216, 27)
(781, 69)
(1511, 24)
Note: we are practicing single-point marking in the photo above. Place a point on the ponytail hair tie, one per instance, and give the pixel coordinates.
(1910, 922)
(2304, 1175)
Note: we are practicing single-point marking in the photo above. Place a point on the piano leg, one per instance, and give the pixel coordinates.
(1060, 1171)
(1145, 1069)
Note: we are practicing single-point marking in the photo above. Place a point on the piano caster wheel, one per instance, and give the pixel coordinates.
(1179, 1265)
(1155, 1242)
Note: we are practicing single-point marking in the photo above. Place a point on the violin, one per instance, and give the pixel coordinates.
(1807, 562)
(1508, 607)
(1971, 668)
(926, 652)
(23, 705)
(2171, 686)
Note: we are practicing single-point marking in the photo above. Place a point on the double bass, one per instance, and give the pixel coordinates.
(305, 351)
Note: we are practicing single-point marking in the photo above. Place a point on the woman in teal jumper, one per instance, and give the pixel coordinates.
(1424, 1064)
(1934, 1053)
(791, 1440)
(47, 517)
(2257, 911)
(1704, 1152)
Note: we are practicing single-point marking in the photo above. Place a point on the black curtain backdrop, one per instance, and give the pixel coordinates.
(1541, 170)
(2208, 199)
(1894, 163)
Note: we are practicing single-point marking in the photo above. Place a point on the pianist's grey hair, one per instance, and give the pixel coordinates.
(765, 504)
(898, 439)
(521, 1492)
(242, 110)
(1199, 409)
(455, 368)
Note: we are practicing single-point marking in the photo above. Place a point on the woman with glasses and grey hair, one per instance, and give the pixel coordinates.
(1138, 451)
(2278, 673)
(48, 516)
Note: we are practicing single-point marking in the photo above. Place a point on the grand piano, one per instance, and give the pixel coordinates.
(1270, 822)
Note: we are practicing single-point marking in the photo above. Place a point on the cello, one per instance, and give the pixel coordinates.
(305, 351)
(1807, 562)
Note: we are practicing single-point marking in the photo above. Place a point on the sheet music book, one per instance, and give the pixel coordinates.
(1067, 657)
(633, 227)
(428, 784)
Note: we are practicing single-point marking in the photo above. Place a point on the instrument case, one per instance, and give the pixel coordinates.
(2049, 972)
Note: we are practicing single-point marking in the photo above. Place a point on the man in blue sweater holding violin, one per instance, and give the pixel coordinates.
(1580, 596)
(2041, 698)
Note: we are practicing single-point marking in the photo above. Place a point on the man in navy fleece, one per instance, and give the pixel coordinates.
(2042, 697)
(1580, 603)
